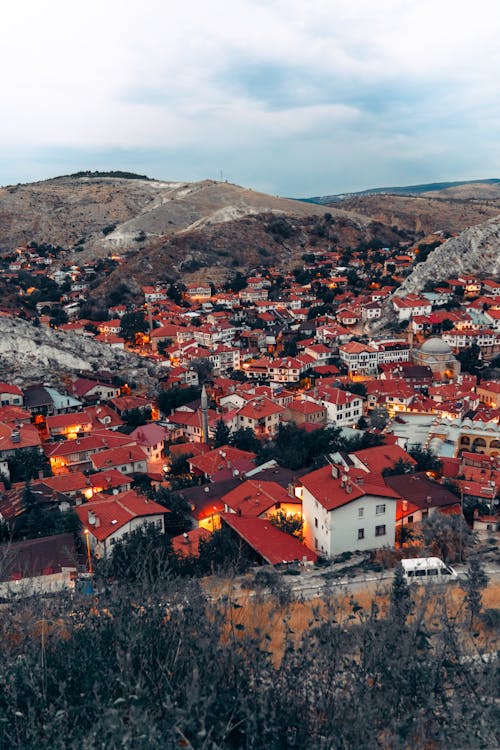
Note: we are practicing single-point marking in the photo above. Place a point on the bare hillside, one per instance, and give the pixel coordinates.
(97, 214)
(423, 214)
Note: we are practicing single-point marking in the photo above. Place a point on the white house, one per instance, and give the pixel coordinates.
(110, 520)
(344, 511)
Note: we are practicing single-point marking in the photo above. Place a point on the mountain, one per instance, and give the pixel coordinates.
(464, 189)
(98, 212)
(165, 230)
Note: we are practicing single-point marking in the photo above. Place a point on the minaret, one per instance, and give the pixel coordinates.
(204, 415)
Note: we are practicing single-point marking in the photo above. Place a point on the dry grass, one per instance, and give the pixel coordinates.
(249, 614)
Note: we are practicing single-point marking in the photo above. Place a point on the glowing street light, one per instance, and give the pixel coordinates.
(89, 558)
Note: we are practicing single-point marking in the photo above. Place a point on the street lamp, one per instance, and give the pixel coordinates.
(89, 558)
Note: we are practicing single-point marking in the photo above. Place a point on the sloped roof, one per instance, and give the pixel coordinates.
(254, 497)
(115, 511)
(273, 545)
(36, 557)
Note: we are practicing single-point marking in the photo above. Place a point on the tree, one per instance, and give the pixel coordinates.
(175, 397)
(400, 467)
(203, 366)
(222, 433)
(401, 604)
(475, 581)
(245, 440)
(58, 317)
(379, 417)
(426, 460)
(131, 324)
(143, 556)
(404, 535)
(290, 524)
(137, 416)
(470, 358)
(26, 464)
(446, 536)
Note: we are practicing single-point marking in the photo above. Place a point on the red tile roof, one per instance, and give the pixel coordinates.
(273, 545)
(188, 544)
(118, 456)
(114, 511)
(254, 497)
(383, 457)
(328, 490)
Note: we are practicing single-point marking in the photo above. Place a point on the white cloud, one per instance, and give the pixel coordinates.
(124, 74)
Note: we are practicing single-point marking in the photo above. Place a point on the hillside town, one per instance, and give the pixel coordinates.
(309, 413)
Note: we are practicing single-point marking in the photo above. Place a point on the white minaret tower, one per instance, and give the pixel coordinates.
(204, 415)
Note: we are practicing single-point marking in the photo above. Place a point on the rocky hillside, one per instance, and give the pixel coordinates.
(26, 351)
(476, 251)
(95, 214)
(421, 213)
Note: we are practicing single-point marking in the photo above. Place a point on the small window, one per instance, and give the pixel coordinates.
(433, 572)
(316, 523)
(420, 573)
(410, 519)
(380, 509)
(380, 530)
(361, 512)
(361, 533)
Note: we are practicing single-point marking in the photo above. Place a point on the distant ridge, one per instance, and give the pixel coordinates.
(401, 190)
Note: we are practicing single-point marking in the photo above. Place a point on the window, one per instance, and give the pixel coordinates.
(410, 519)
(380, 530)
(361, 533)
(380, 509)
(316, 523)
(361, 512)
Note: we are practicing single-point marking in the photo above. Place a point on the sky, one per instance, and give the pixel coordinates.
(291, 98)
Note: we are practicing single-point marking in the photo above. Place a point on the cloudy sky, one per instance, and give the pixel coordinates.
(291, 97)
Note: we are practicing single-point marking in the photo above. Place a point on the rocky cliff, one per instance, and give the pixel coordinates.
(31, 354)
(474, 251)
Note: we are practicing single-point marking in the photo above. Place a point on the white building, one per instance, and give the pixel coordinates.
(343, 511)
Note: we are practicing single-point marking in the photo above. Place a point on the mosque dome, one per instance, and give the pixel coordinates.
(435, 346)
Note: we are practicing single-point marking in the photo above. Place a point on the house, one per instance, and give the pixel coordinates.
(222, 463)
(420, 497)
(260, 498)
(128, 460)
(42, 400)
(10, 395)
(151, 438)
(343, 408)
(261, 415)
(360, 359)
(93, 390)
(188, 544)
(70, 425)
(346, 510)
(75, 455)
(108, 520)
(17, 437)
(269, 544)
(301, 411)
(45, 565)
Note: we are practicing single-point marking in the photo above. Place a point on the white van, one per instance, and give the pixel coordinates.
(427, 570)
